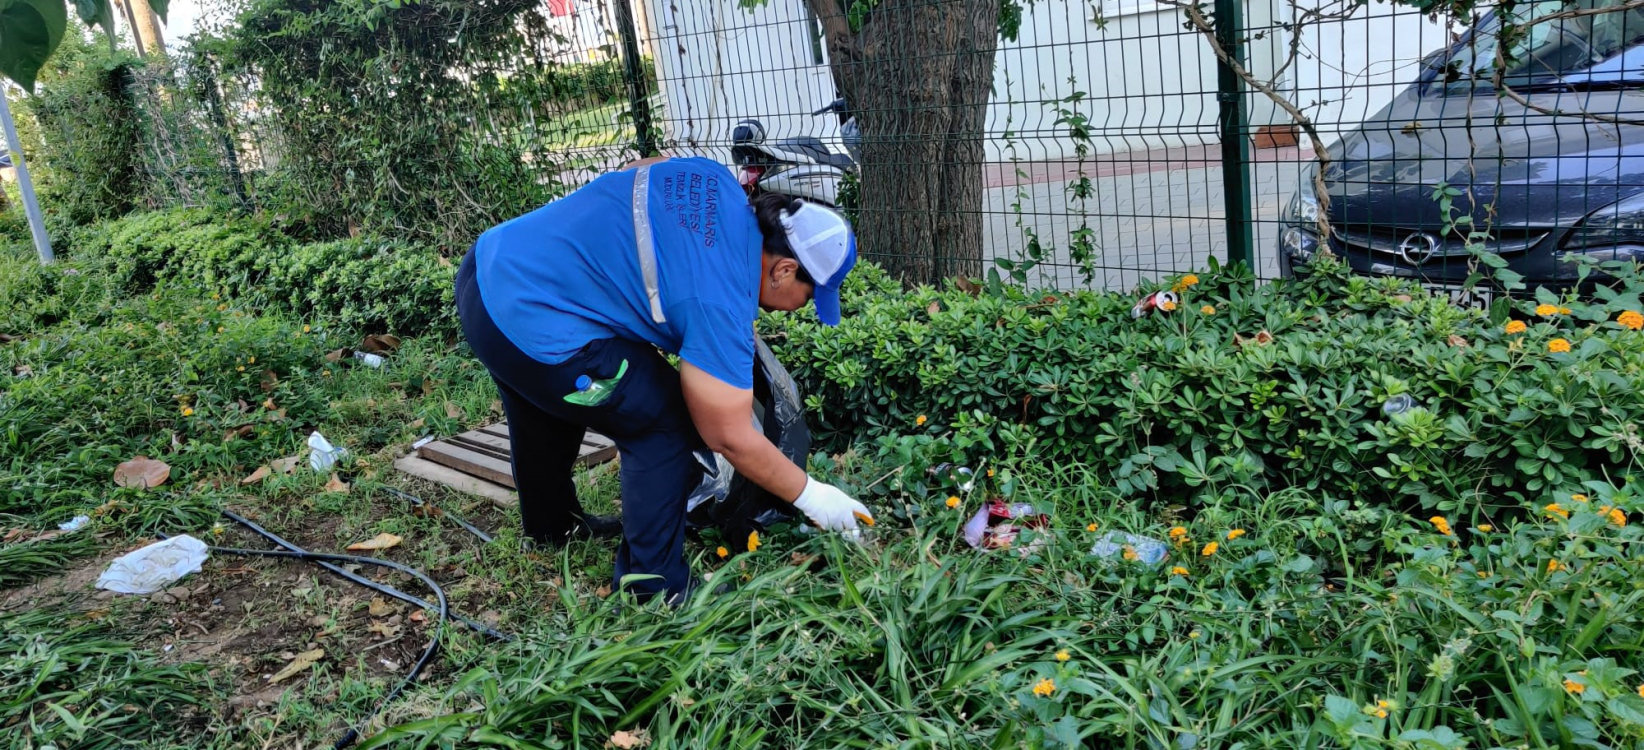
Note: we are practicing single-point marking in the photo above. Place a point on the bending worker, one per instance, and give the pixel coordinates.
(568, 305)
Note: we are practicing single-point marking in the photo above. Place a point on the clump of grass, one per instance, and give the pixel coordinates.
(67, 683)
(23, 562)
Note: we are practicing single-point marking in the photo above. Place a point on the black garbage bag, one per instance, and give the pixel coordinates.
(729, 502)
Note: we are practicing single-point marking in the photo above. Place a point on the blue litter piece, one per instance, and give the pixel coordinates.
(1148, 550)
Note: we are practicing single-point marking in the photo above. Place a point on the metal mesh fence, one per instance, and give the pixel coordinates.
(1074, 143)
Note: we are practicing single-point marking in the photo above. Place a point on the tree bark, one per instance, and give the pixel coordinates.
(918, 76)
(153, 40)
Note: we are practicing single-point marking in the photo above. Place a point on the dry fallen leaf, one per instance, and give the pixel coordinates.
(418, 616)
(301, 662)
(268, 404)
(1403, 298)
(453, 411)
(337, 485)
(243, 431)
(1457, 341)
(444, 263)
(22, 371)
(380, 344)
(381, 541)
(384, 630)
(142, 472)
(496, 407)
(269, 381)
(964, 284)
(935, 307)
(603, 591)
(417, 424)
(7, 338)
(428, 387)
(336, 355)
(1264, 338)
(379, 607)
(285, 465)
(625, 740)
(256, 476)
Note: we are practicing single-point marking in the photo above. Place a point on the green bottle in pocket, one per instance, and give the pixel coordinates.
(592, 392)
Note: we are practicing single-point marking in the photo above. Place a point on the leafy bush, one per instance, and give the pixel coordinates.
(87, 149)
(1278, 388)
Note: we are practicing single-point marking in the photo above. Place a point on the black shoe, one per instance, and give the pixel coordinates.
(587, 527)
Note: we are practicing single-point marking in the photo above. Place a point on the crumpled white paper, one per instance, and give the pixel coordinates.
(154, 567)
(323, 455)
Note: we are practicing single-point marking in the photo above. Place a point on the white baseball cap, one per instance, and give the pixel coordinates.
(824, 243)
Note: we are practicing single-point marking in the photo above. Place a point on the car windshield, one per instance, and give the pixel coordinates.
(1549, 51)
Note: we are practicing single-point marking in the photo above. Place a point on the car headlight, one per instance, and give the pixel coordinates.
(1304, 205)
(1614, 232)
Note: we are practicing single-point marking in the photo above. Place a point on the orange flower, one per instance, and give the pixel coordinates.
(1573, 687)
(1485, 528)
(1440, 523)
(1208, 310)
(1579, 498)
(722, 552)
(1178, 534)
(1546, 311)
(1235, 534)
(1210, 549)
(1045, 687)
(1615, 515)
(1091, 527)
(1130, 554)
(1167, 306)
(1631, 319)
(188, 411)
(1558, 346)
(753, 541)
(953, 502)
(1178, 571)
(1517, 326)
(1063, 655)
(1555, 509)
(1553, 566)
(919, 421)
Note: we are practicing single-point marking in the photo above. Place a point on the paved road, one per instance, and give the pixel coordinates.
(1165, 216)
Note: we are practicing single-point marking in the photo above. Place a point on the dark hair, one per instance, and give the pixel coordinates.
(768, 209)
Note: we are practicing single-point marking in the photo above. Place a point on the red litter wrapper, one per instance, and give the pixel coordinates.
(1166, 301)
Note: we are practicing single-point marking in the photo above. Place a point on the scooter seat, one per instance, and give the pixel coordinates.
(815, 149)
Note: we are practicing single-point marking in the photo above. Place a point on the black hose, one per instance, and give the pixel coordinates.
(363, 581)
(419, 502)
(433, 642)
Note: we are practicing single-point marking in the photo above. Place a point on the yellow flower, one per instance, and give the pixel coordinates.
(1440, 523)
(1167, 306)
(1381, 713)
(220, 329)
(252, 361)
(1558, 346)
(1188, 280)
(1210, 549)
(1091, 527)
(215, 295)
(1556, 510)
(1178, 534)
(1208, 310)
(1615, 515)
(1553, 566)
(1383, 704)
(188, 411)
(1178, 571)
(1563, 311)
(327, 373)
(1130, 554)
(990, 472)
(1045, 687)
(1631, 319)
(1641, 691)
(1235, 534)
(1517, 326)
(241, 368)
(722, 552)
(306, 329)
(1573, 687)
(753, 541)
(919, 421)
(221, 308)
(1486, 528)
(1546, 311)
(1063, 655)
(953, 502)
(1484, 574)
(1579, 498)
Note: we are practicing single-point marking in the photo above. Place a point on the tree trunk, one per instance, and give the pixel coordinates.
(918, 75)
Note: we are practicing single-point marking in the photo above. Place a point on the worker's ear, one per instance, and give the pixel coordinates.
(782, 272)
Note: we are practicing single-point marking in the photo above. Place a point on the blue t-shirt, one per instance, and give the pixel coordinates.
(568, 273)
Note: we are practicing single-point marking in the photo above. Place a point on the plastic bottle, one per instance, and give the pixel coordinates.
(592, 392)
(1398, 405)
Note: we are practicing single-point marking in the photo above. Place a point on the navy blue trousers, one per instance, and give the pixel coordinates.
(645, 415)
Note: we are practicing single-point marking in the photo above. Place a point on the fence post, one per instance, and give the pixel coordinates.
(637, 93)
(31, 207)
(1234, 120)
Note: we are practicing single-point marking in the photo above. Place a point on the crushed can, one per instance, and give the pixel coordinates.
(1165, 300)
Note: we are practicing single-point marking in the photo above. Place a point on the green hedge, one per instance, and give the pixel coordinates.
(370, 284)
(1173, 407)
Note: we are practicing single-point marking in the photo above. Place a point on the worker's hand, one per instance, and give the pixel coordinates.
(830, 508)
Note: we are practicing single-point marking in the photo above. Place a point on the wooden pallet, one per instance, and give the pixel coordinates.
(483, 453)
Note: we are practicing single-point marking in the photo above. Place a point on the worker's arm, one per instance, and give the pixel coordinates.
(724, 418)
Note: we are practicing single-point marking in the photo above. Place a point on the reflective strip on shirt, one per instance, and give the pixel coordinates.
(642, 241)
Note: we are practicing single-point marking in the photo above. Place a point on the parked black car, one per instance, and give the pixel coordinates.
(1543, 186)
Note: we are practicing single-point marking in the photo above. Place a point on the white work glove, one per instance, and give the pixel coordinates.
(830, 508)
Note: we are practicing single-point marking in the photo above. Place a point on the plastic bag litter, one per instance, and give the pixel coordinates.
(1148, 550)
(323, 455)
(730, 502)
(73, 524)
(155, 567)
(997, 524)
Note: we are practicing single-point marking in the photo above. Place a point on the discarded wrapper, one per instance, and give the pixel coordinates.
(1166, 301)
(1147, 550)
(323, 454)
(74, 523)
(997, 524)
(369, 359)
(154, 567)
